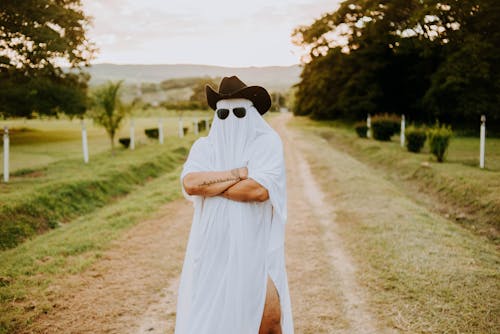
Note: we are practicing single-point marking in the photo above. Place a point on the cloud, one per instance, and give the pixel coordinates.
(220, 32)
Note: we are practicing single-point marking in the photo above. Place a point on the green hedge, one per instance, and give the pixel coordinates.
(153, 133)
(124, 141)
(439, 139)
(384, 126)
(415, 138)
(361, 129)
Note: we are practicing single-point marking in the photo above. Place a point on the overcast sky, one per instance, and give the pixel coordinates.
(213, 32)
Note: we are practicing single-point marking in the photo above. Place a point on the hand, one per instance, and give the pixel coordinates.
(243, 173)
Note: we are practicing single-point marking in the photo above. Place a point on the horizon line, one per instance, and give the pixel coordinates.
(190, 64)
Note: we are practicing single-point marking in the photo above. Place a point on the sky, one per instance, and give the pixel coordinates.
(232, 33)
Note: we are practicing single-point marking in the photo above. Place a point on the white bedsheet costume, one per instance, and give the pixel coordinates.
(234, 246)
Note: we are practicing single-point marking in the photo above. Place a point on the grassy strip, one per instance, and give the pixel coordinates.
(65, 194)
(455, 188)
(29, 273)
(425, 274)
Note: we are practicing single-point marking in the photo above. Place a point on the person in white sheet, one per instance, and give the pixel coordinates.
(234, 280)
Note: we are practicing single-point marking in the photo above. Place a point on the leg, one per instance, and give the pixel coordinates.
(271, 319)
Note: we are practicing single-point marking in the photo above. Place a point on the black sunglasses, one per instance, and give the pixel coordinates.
(239, 112)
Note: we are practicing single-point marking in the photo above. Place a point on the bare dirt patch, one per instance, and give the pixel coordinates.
(130, 278)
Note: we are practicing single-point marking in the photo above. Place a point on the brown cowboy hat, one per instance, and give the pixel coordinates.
(233, 88)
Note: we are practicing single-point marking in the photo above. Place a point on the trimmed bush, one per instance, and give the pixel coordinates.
(361, 129)
(152, 133)
(124, 141)
(415, 138)
(385, 126)
(439, 139)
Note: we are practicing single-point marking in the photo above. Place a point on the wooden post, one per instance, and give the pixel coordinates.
(482, 141)
(369, 126)
(181, 130)
(195, 126)
(132, 134)
(6, 154)
(84, 143)
(160, 130)
(402, 135)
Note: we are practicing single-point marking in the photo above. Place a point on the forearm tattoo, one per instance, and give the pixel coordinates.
(235, 177)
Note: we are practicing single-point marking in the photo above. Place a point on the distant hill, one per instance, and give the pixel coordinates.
(277, 78)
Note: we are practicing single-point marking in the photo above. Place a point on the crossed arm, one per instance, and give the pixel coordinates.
(233, 184)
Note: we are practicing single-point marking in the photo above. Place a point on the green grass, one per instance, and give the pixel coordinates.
(424, 273)
(38, 199)
(457, 187)
(27, 271)
(36, 143)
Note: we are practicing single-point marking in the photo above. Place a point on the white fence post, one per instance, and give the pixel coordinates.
(132, 134)
(402, 135)
(181, 130)
(195, 126)
(6, 154)
(84, 143)
(160, 130)
(482, 141)
(369, 126)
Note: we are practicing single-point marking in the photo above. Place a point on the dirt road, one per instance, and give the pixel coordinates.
(132, 289)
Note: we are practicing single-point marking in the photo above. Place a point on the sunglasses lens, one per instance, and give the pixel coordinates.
(222, 113)
(239, 112)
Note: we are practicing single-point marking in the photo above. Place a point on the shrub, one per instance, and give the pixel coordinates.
(361, 129)
(439, 139)
(152, 133)
(185, 130)
(385, 126)
(415, 138)
(124, 141)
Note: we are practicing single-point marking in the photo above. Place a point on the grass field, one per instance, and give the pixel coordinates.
(424, 272)
(27, 271)
(36, 143)
(457, 188)
(50, 185)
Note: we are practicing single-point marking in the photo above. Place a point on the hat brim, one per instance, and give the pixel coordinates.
(258, 95)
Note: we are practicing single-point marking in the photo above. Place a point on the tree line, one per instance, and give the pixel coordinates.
(38, 37)
(430, 60)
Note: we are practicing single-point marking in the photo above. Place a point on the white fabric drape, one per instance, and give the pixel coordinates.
(233, 246)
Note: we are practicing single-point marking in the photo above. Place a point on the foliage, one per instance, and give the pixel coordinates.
(384, 126)
(278, 101)
(188, 82)
(183, 105)
(439, 139)
(125, 141)
(432, 59)
(202, 125)
(199, 96)
(152, 133)
(415, 138)
(108, 110)
(361, 129)
(148, 87)
(36, 37)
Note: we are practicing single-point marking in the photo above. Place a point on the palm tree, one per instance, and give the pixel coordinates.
(108, 110)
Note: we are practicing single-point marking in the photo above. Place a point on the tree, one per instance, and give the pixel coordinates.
(108, 110)
(430, 60)
(199, 91)
(36, 38)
